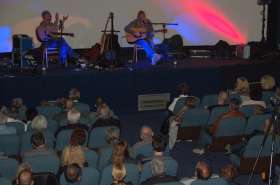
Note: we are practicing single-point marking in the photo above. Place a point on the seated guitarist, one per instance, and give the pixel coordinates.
(143, 23)
(44, 34)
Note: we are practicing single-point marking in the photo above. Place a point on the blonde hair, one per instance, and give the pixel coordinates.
(73, 154)
(21, 167)
(39, 123)
(118, 173)
(73, 116)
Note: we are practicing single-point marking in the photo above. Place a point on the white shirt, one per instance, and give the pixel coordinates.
(172, 105)
(253, 102)
(189, 180)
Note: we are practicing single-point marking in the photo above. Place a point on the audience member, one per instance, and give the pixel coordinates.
(175, 121)
(74, 153)
(25, 178)
(255, 99)
(39, 146)
(208, 132)
(39, 123)
(73, 173)
(202, 172)
(74, 94)
(118, 174)
(158, 173)
(4, 129)
(73, 117)
(242, 88)
(105, 118)
(183, 91)
(228, 172)
(222, 101)
(23, 166)
(121, 154)
(146, 137)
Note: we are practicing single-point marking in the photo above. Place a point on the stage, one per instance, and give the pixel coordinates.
(120, 87)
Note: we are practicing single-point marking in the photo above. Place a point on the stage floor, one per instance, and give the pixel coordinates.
(121, 86)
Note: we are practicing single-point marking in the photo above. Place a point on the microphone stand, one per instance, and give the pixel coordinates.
(163, 24)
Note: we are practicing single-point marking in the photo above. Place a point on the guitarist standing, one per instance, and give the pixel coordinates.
(45, 34)
(144, 24)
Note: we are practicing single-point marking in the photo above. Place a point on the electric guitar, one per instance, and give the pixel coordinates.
(140, 33)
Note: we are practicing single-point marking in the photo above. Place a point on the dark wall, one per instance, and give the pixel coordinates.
(273, 23)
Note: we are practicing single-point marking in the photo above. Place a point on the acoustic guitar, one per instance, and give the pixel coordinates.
(140, 33)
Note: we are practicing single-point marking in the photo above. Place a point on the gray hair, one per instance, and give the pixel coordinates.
(157, 166)
(73, 116)
(39, 123)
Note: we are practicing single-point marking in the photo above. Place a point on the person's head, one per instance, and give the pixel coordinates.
(74, 94)
(183, 88)
(112, 135)
(234, 104)
(141, 15)
(17, 102)
(37, 140)
(31, 113)
(120, 152)
(222, 97)
(202, 170)
(73, 116)
(3, 118)
(73, 173)
(158, 166)
(190, 102)
(99, 101)
(46, 16)
(73, 154)
(44, 103)
(25, 177)
(242, 86)
(118, 174)
(228, 172)
(159, 145)
(146, 133)
(103, 112)
(21, 167)
(78, 137)
(39, 123)
(69, 104)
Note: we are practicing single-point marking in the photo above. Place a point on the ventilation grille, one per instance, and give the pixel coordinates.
(153, 101)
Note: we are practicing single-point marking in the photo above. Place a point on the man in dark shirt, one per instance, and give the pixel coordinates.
(142, 22)
(158, 171)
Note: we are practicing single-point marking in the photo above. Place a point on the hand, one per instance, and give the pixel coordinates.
(56, 16)
(65, 18)
(137, 34)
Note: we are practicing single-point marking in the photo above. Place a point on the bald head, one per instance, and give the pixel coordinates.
(202, 170)
(25, 178)
(146, 133)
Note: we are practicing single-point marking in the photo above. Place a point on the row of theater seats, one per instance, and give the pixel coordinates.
(47, 163)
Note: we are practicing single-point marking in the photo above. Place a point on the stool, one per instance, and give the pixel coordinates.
(47, 53)
(135, 53)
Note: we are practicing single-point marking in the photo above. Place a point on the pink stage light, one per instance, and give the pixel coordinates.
(207, 15)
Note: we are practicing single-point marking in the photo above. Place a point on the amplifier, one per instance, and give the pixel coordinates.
(21, 45)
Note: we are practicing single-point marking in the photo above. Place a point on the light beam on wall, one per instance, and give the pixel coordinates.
(5, 39)
(194, 16)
